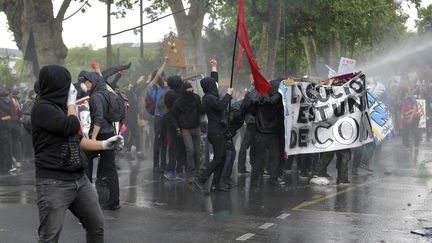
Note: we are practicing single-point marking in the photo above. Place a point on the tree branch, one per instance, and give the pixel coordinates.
(62, 10)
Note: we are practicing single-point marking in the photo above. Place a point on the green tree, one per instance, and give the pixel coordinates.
(24, 15)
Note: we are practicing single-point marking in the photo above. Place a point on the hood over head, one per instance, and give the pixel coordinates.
(274, 86)
(185, 86)
(175, 82)
(208, 85)
(97, 81)
(54, 83)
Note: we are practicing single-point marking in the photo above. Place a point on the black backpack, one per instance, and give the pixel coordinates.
(116, 107)
(26, 115)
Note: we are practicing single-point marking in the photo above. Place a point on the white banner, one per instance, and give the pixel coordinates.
(83, 107)
(320, 118)
(421, 105)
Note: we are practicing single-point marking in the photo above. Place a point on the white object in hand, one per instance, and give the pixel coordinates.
(72, 95)
(115, 142)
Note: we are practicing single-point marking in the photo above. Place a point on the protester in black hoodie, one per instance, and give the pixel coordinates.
(60, 180)
(268, 111)
(176, 147)
(101, 129)
(215, 110)
(186, 117)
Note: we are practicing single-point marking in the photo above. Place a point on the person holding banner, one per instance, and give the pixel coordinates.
(269, 119)
(342, 158)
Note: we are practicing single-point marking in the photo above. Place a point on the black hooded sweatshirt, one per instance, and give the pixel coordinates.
(187, 110)
(55, 136)
(98, 103)
(269, 111)
(174, 83)
(213, 106)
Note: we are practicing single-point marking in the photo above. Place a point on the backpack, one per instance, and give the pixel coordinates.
(26, 115)
(117, 105)
(149, 104)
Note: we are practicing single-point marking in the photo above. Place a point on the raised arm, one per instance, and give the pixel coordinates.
(159, 72)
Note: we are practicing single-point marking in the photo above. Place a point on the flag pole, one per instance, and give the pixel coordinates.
(232, 73)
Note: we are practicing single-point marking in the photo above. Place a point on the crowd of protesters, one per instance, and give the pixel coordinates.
(189, 135)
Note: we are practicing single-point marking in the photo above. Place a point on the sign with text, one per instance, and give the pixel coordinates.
(421, 106)
(320, 118)
(346, 65)
(380, 117)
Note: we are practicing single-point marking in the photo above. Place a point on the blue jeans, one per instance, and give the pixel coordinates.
(54, 197)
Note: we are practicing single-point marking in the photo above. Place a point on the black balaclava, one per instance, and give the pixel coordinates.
(175, 82)
(208, 85)
(54, 84)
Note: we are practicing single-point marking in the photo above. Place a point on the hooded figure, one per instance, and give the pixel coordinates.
(174, 83)
(93, 83)
(215, 109)
(54, 132)
(269, 123)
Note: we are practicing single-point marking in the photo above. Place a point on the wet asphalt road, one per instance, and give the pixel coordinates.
(380, 207)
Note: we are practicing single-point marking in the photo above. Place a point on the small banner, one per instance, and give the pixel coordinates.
(175, 52)
(346, 65)
(321, 118)
(380, 116)
(421, 105)
(83, 108)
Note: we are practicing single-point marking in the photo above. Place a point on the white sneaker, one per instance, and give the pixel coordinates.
(322, 181)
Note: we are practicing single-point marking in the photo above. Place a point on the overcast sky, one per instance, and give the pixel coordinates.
(78, 30)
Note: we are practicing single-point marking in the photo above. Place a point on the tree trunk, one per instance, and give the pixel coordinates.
(311, 53)
(189, 27)
(270, 38)
(335, 50)
(109, 47)
(24, 15)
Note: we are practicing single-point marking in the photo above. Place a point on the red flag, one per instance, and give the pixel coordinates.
(239, 59)
(261, 83)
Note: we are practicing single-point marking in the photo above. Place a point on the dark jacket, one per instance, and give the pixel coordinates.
(98, 103)
(55, 136)
(213, 106)
(250, 97)
(187, 111)
(174, 83)
(268, 111)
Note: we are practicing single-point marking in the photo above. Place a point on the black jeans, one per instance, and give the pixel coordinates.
(160, 143)
(192, 142)
(343, 156)
(217, 140)
(248, 140)
(54, 197)
(176, 151)
(133, 137)
(266, 144)
(106, 169)
(230, 154)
